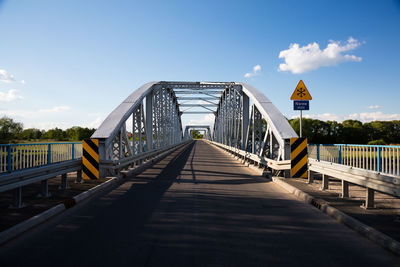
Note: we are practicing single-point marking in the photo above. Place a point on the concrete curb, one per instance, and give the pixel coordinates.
(68, 203)
(30, 223)
(84, 195)
(365, 230)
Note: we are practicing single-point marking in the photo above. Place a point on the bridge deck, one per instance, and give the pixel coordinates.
(197, 207)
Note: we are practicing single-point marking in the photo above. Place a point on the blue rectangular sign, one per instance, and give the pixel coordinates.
(301, 105)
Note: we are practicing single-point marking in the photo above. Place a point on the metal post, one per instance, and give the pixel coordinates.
(45, 189)
(48, 153)
(345, 189)
(369, 198)
(379, 165)
(17, 198)
(73, 151)
(310, 177)
(318, 152)
(325, 182)
(79, 176)
(64, 182)
(149, 122)
(253, 130)
(102, 156)
(301, 128)
(9, 169)
(340, 155)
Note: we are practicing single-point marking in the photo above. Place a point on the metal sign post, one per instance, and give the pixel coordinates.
(301, 126)
(301, 102)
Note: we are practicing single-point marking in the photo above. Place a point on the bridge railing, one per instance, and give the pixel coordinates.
(23, 156)
(382, 159)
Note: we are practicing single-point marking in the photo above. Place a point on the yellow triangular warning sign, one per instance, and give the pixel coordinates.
(301, 92)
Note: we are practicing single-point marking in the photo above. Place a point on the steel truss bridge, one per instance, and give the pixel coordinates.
(188, 203)
(245, 119)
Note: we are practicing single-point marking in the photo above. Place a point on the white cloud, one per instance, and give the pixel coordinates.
(310, 57)
(33, 114)
(55, 109)
(375, 107)
(374, 116)
(363, 116)
(6, 77)
(256, 71)
(96, 123)
(10, 96)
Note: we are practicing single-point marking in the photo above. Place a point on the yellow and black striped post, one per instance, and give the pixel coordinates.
(90, 159)
(299, 157)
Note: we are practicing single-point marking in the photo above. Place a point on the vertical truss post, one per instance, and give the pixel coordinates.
(253, 130)
(140, 127)
(245, 120)
(149, 121)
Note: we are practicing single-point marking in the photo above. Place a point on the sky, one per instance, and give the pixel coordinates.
(70, 63)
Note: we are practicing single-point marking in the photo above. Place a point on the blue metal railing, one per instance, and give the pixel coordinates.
(22, 156)
(380, 158)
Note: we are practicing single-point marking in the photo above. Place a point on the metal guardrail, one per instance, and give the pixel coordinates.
(383, 159)
(15, 157)
(261, 160)
(19, 178)
(371, 180)
(16, 180)
(373, 167)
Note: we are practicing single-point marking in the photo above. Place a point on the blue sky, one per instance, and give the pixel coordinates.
(66, 63)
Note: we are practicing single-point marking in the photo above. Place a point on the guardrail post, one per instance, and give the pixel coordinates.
(340, 155)
(73, 151)
(17, 198)
(310, 177)
(9, 169)
(345, 189)
(45, 189)
(48, 153)
(64, 182)
(379, 165)
(325, 182)
(369, 198)
(79, 176)
(318, 152)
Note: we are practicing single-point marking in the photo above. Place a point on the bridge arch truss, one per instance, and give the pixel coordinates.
(244, 119)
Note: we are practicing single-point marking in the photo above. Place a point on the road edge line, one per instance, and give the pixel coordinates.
(367, 231)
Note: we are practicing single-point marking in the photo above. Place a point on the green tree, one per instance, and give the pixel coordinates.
(55, 134)
(9, 129)
(30, 133)
(196, 134)
(353, 132)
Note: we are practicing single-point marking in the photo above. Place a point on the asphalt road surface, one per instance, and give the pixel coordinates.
(197, 207)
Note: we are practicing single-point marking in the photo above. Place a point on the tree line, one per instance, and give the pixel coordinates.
(317, 132)
(13, 132)
(349, 131)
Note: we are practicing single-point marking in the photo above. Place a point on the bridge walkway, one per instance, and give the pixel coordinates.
(196, 207)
